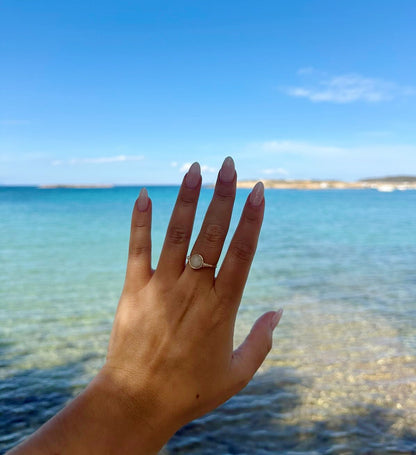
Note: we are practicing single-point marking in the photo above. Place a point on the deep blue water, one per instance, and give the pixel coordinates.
(341, 377)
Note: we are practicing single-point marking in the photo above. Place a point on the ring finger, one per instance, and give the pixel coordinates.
(215, 226)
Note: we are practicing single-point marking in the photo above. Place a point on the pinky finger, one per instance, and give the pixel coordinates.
(233, 274)
(139, 260)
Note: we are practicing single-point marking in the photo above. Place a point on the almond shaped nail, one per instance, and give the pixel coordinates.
(143, 200)
(193, 176)
(257, 194)
(227, 171)
(276, 318)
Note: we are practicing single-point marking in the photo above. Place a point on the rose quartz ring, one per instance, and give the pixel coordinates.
(196, 261)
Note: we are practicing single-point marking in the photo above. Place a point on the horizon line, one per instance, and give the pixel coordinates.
(112, 185)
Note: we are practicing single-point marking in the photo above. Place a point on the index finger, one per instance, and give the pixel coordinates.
(235, 268)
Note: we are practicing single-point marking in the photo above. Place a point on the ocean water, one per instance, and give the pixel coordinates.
(341, 377)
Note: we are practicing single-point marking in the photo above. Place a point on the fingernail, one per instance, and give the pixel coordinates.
(227, 171)
(142, 200)
(193, 176)
(276, 318)
(257, 194)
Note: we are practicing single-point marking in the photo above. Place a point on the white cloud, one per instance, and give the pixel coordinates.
(295, 148)
(278, 171)
(174, 164)
(347, 88)
(283, 150)
(204, 168)
(306, 70)
(185, 167)
(304, 159)
(98, 160)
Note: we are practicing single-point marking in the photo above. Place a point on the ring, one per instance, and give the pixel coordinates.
(196, 261)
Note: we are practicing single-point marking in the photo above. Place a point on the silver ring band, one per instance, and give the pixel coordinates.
(196, 262)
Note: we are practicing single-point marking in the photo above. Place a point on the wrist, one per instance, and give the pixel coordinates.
(103, 419)
(135, 422)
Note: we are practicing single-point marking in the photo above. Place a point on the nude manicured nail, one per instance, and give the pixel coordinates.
(227, 171)
(193, 176)
(142, 200)
(276, 318)
(257, 194)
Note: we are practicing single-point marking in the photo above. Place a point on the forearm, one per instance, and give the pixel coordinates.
(99, 421)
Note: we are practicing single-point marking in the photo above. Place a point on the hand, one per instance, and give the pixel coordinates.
(170, 357)
(172, 339)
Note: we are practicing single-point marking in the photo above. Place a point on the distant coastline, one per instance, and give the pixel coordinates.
(384, 184)
(82, 186)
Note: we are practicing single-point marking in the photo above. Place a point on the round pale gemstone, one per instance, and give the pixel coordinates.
(196, 261)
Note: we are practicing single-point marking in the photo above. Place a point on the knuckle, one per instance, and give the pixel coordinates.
(214, 233)
(251, 217)
(138, 250)
(224, 193)
(177, 235)
(187, 198)
(242, 251)
(140, 224)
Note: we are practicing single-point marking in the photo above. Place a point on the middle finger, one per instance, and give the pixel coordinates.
(215, 226)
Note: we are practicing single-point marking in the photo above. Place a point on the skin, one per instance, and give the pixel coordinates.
(170, 357)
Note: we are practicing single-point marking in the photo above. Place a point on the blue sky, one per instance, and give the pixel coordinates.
(131, 92)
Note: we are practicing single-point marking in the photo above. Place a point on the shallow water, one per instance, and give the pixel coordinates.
(341, 377)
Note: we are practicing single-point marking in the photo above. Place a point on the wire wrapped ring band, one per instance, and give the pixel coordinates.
(196, 262)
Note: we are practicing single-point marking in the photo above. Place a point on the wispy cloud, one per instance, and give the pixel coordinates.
(204, 168)
(315, 152)
(347, 88)
(291, 147)
(271, 172)
(303, 159)
(98, 160)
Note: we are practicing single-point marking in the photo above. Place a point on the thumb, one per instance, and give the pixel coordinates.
(249, 356)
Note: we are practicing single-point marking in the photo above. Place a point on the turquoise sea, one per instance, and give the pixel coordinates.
(341, 378)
